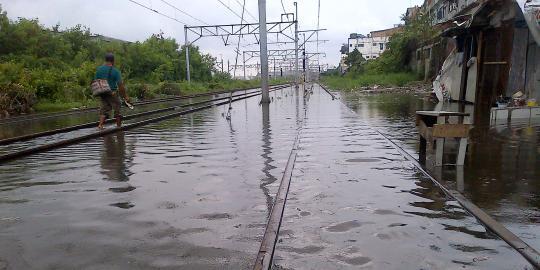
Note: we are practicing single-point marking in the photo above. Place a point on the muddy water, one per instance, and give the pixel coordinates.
(22, 128)
(189, 193)
(356, 203)
(195, 193)
(502, 170)
(8, 130)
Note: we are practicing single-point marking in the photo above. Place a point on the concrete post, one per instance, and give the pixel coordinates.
(264, 52)
(188, 75)
(297, 72)
(244, 64)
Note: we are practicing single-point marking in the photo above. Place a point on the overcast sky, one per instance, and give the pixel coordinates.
(125, 20)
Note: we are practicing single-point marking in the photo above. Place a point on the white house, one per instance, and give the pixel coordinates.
(372, 45)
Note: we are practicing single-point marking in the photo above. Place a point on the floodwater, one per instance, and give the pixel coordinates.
(502, 170)
(356, 203)
(195, 192)
(29, 127)
(14, 127)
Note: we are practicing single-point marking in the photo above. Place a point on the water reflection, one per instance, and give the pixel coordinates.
(502, 170)
(267, 157)
(115, 158)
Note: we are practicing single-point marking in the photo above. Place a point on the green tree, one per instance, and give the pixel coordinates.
(402, 45)
(355, 61)
(58, 65)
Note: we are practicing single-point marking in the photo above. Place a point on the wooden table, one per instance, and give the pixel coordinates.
(434, 127)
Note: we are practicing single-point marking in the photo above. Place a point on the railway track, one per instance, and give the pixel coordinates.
(265, 254)
(92, 124)
(266, 251)
(34, 117)
(66, 142)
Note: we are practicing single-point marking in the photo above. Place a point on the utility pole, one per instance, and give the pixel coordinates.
(296, 74)
(306, 61)
(264, 52)
(188, 75)
(244, 65)
(275, 68)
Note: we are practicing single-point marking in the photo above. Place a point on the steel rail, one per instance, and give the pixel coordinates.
(93, 124)
(46, 147)
(529, 253)
(328, 91)
(271, 233)
(24, 118)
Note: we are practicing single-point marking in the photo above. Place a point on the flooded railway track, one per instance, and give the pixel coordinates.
(34, 117)
(66, 142)
(265, 255)
(127, 117)
(302, 149)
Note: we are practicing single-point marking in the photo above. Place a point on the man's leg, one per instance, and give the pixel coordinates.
(101, 121)
(115, 102)
(104, 110)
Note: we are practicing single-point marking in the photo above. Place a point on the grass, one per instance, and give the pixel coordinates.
(48, 106)
(355, 81)
(181, 88)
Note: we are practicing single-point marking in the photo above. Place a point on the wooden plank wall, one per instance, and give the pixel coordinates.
(518, 65)
(533, 71)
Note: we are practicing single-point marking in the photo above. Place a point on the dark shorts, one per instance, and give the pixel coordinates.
(110, 102)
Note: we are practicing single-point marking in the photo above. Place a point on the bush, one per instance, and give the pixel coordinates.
(16, 99)
(141, 91)
(355, 81)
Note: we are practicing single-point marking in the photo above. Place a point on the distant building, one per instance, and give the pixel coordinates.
(412, 13)
(344, 51)
(443, 10)
(372, 45)
(107, 39)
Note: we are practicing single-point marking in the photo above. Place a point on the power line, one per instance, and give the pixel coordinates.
(155, 11)
(318, 27)
(247, 11)
(283, 6)
(239, 37)
(230, 9)
(183, 12)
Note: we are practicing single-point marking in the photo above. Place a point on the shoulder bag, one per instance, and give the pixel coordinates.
(100, 86)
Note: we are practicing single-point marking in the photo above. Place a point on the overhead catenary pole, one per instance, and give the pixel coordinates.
(244, 61)
(188, 75)
(275, 68)
(306, 62)
(264, 52)
(296, 73)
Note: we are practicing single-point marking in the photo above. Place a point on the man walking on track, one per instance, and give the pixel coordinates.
(111, 101)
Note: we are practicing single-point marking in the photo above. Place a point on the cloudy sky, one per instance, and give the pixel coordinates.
(125, 20)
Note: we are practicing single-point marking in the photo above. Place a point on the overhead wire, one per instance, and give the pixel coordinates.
(230, 9)
(184, 12)
(239, 37)
(157, 12)
(318, 27)
(247, 11)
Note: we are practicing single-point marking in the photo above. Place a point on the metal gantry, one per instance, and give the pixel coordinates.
(281, 59)
(225, 31)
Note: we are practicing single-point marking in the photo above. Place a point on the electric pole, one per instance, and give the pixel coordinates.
(264, 52)
(188, 75)
(296, 74)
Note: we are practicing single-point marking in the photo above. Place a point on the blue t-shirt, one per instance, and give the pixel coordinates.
(114, 79)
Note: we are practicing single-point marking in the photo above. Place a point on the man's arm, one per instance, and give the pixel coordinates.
(123, 92)
(122, 87)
